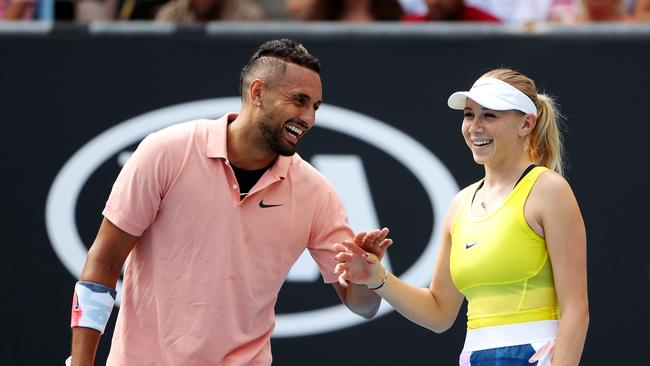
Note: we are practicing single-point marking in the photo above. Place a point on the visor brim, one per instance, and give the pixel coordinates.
(458, 101)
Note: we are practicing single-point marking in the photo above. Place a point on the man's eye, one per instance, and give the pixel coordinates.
(468, 114)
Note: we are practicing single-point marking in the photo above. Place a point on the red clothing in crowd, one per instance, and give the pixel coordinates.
(468, 14)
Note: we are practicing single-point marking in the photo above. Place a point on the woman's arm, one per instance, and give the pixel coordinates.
(564, 231)
(435, 308)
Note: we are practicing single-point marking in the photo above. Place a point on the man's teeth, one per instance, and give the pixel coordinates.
(482, 142)
(294, 130)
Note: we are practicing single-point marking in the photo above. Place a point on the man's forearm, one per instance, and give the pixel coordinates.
(362, 301)
(84, 346)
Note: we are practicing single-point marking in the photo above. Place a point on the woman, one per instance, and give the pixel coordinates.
(513, 243)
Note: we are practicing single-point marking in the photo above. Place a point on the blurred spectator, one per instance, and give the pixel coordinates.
(642, 10)
(454, 10)
(299, 9)
(17, 9)
(587, 11)
(354, 10)
(531, 11)
(559, 11)
(92, 10)
(273, 9)
(414, 7)
(516, 11)
(193, 11)
(604, 11)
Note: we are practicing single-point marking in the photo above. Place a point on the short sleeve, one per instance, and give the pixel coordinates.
(139, 188)
(330, 227)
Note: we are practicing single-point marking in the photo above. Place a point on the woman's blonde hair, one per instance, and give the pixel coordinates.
(544, 143)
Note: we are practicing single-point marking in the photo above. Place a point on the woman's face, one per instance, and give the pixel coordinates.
(492, 136)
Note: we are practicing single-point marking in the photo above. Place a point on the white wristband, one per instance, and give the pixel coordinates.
(92, 305)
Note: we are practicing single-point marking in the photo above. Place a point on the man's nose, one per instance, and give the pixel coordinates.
(308, 116)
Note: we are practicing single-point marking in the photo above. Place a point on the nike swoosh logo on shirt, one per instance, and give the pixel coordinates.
(469, 245)
(264, 205)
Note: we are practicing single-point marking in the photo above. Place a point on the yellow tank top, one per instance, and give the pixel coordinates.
(500, 264)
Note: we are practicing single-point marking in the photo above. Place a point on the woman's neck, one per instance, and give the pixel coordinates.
(506, 174)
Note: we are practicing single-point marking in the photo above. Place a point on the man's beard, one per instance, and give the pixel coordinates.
(273, 139)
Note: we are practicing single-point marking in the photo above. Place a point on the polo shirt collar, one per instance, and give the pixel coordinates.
(281, 166)
(217, 146)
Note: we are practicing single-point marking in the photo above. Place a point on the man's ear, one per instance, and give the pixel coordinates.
(255, 91)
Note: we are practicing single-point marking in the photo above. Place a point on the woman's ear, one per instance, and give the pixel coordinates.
(527, 125)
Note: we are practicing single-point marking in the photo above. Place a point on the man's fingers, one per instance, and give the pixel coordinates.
(384, 233)
(371, 236)
(375, 237)
(358, 237)
(385, 243)
(339, 268)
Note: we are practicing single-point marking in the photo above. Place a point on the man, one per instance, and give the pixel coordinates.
(213, 215)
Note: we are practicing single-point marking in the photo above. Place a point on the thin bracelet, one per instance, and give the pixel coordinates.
(383, 282)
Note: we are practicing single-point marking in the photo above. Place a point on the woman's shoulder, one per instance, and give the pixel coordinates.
(551, 183)
(551, 193)
(460, 197)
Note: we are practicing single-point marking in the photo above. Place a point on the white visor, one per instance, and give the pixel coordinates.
(493, 94)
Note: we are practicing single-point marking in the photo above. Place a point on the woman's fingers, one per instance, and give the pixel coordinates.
(342, 281)
(371, 258)
(344, 257)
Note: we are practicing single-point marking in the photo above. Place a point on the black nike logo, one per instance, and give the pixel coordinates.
(264, 205)
(469, 245)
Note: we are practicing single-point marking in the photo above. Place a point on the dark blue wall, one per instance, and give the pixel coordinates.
(61, 89)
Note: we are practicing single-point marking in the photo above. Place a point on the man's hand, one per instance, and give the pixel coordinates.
(359, 260)
(374, 242)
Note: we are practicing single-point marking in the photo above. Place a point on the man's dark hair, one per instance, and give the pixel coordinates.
(270, 52)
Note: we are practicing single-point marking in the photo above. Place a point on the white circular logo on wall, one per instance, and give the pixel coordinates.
(436, 180)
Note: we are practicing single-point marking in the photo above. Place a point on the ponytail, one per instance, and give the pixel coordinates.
(544, 145)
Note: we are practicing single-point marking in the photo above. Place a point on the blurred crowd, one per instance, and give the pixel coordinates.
(409, 11)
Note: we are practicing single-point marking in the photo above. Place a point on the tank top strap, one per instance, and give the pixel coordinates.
(525, 185)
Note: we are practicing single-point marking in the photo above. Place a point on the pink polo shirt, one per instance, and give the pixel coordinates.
(202, 281)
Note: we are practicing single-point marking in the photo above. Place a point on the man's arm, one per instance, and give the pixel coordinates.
(103, 266)
(359, 298)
